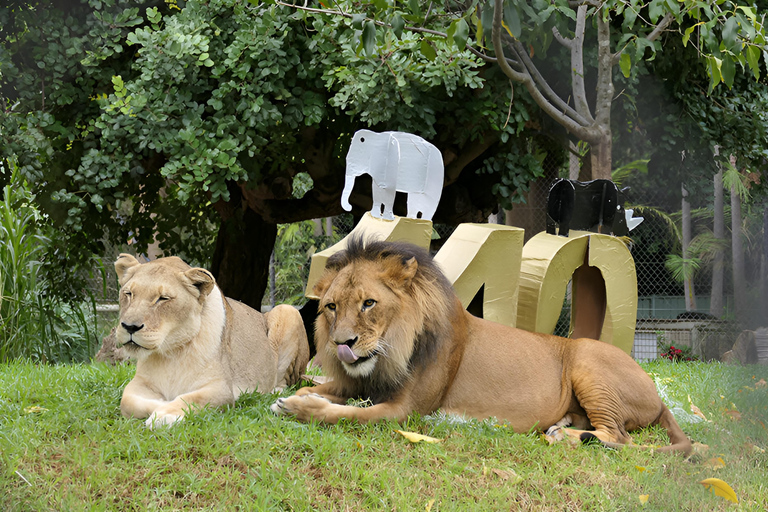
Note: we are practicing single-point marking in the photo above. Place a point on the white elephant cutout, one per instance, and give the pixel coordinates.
(397, 162)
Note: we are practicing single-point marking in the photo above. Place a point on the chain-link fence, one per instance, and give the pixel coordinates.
(663, 318)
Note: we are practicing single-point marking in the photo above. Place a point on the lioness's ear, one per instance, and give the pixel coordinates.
(201, 279)
(400, 271)
(122, 264)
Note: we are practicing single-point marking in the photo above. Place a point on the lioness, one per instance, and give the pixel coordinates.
(196, 347)
(391, 329)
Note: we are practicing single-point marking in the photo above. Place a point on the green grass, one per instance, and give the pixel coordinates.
(64, 446)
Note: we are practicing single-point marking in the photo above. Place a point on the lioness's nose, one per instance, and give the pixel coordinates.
(131, 328)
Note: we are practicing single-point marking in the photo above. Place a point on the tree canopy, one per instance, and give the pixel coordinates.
(189, 121)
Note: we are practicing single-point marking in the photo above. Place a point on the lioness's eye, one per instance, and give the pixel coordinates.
(368, 303)
(331, 306)
(162, 298)
(127, 294)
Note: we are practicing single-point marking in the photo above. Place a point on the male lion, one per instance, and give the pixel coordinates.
(196, 347)
(391, 329)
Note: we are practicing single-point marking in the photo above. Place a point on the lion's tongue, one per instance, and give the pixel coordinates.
(345, 354)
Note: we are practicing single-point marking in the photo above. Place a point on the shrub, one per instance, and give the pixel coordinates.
(35, 322)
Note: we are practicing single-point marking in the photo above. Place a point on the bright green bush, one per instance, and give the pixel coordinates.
(35, 322)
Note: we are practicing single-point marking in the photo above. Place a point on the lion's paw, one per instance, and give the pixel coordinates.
(555, 432)
(302, 407)
(156, 420)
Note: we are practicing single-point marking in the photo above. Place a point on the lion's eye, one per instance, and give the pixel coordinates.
(368, 304)
(162, 298)
(331, 306)
(127, 294)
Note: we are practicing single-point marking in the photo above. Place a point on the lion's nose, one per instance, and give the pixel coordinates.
(131, 328)
(348, 343)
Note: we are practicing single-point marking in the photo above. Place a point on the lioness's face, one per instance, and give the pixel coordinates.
(357, 310)
(160, 304)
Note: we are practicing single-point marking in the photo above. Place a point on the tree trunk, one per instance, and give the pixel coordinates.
(600, 154)
(241, 259)
(690, 296)
(718, 266)
(739, 281)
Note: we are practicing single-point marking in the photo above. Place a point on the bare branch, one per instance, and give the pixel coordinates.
(568, 43)
(661, 27)
(526, 79)
(544, 87)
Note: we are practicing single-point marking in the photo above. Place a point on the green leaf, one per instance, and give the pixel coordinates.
(673, 6)
(512, 19)
(414, 6)
(461, 35)
(730, 35)
(753, 59)
(748, 11)
(728, 70)
(656, 10)
(713, 69)
(357, 20)
(625, 62)
(427, 50)
(397, 25)
(369, 37)
(688, 32)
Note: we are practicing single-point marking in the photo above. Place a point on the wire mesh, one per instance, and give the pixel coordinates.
(663, 318)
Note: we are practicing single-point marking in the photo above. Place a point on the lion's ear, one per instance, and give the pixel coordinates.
(201, 279)
(123, 263)
(324, 283)
(401, 271)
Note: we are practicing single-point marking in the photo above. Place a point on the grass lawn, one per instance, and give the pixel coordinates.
(64, 446)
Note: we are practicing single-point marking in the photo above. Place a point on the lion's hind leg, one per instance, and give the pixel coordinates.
(288, 340)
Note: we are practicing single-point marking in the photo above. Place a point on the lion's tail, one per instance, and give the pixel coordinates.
(678, 440)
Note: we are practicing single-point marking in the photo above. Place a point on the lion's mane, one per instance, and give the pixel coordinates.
(427, 308)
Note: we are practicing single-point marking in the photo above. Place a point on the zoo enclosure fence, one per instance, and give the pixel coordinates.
(662, 319)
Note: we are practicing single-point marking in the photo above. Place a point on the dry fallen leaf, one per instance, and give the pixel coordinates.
(508, 475)
(640, 468)
(715, 463)
(429, 505)
(644, 498)
(733, 414)
(700, 449)
(720, 488)
(34, 409)
(697, 412)
(417, 438)
(761, 383)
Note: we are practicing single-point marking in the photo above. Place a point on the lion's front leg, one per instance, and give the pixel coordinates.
(216, 394)
(327, 391)
(138, 401)
(311, 406)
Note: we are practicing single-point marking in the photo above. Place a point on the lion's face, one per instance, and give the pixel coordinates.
(363, 323)
(160, 303)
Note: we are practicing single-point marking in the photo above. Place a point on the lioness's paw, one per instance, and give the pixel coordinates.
(162, 420)
(303, 407)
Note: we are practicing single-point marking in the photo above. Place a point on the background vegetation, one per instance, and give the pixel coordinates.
(186, 122)
(36, 320)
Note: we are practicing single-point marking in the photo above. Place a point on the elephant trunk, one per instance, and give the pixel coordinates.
(349, 183)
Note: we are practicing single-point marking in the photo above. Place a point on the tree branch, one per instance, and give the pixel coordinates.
(543, 86)
(527, 80)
